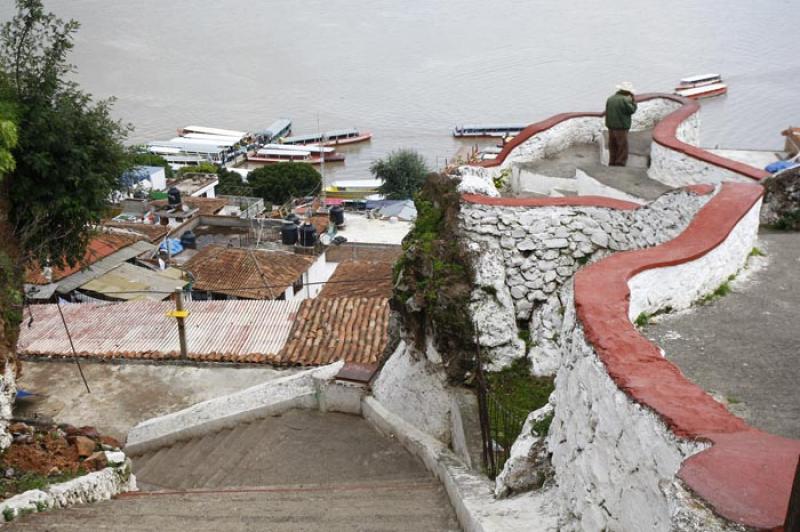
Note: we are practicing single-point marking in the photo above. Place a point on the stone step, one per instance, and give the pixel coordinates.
(227, 467)
(208, 446)
(156, 470)
(381, 507)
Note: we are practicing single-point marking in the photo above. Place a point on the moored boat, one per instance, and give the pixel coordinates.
(487, 130)
(701, 86)
(271, 156)
(353, 188)
(329, 138)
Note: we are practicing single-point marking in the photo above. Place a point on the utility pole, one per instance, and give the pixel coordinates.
(180, 314)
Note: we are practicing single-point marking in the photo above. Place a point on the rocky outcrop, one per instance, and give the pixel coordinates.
(782, 200)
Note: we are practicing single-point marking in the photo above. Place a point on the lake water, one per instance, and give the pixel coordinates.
(409, 71)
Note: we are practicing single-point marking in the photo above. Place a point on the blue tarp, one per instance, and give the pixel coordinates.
(777, 166)
(175, 246)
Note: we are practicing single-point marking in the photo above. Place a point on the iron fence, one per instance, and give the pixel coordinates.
(500, 425)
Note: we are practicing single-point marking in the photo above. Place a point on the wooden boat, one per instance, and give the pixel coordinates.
(701, 86)
(271, 156)
(488, 130)
(336, 137)
(353, 188)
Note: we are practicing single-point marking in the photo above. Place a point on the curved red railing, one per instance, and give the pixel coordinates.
(664, 133)
(746, 475)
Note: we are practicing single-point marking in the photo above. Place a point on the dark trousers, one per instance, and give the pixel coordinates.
(617, 147)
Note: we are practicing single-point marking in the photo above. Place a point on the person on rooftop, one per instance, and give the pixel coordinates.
(619, 109)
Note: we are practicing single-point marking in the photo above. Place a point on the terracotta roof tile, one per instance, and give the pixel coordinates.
(371, 252)
(238, 272)
(358, 278)
(353, 329)
(100, 246)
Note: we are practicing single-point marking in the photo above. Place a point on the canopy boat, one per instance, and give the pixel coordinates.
(487, 130)
(701, 86)
(330, 138)
(283, 155)
(353, 188)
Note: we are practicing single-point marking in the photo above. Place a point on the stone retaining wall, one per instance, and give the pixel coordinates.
(524, 253)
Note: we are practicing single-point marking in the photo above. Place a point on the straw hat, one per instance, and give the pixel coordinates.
(626, 86)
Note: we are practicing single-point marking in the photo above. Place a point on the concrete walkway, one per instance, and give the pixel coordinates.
(744, 348)
(631, 179)
(126, 394)
(300, 471)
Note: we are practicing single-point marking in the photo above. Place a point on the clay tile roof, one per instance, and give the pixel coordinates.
(353, 329)
(100, 246)
(207, 206)
(369, 252)
(240, 272)
(359, 278)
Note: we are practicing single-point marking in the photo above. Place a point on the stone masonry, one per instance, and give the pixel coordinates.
(523, 255)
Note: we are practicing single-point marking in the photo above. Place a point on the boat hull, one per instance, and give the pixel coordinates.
(334, 158)
(338, 142)
(704, 94)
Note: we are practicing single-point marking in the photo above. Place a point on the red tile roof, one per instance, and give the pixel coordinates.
(242, 272)
(359, 278)
(353, 329)
(99, 247)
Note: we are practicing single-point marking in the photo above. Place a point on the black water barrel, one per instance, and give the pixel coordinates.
(173, 197)
(337, 215)
(308, 235)
(294, 219)
(289, 233)
(189, 240)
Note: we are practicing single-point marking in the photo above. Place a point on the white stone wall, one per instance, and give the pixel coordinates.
(8, 388)
(677, 169)
(414, 387)
(523, 255)
(616, 461)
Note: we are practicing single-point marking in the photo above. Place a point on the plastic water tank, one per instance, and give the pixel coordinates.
(173, 197)
(337, 215)
(288, 233)
(308, 235)
(189, 240)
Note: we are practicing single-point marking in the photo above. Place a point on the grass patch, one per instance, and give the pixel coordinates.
(542, 427)
(517, 389)
(644, 319)
(34, 481)
(733, 400)
(721, 291)
(755, 252)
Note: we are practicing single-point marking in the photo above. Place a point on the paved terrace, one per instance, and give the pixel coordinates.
(743, 347)
(631, 179)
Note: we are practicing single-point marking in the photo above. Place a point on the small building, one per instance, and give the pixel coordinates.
(144, 177)
(104, 252)
(128, 282)
(220, 272)
(195, 185)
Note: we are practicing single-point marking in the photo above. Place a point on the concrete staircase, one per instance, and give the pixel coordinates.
(303, 470)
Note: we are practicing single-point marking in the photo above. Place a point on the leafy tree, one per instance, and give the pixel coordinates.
(68, 157)
(200, 168)
(278, 183)
(137, 157)
(403, 173)
(231, 183)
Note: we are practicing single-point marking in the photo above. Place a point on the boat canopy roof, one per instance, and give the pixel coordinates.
(220, 140)
(700, 77)
(700, 90)
(215, 131)
(317, 137)
(493, 127)
(358, 183)
(279, 126)
(288, 147)
(284, 153)
(187, 145)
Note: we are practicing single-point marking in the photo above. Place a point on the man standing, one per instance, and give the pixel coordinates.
(619, 109)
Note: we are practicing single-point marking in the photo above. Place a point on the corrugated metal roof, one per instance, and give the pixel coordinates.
(158, 284)
(103, 266)
(233, 331)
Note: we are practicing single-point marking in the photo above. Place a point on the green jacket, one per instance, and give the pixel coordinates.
(619, 109)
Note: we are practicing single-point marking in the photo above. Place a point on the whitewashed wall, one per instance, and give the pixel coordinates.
(676, 169)
(616, 461)
(8, 387)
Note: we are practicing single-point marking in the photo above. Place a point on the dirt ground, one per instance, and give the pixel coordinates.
(123, 395)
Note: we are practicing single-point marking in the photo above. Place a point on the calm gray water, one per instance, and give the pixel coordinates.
(408, 71)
